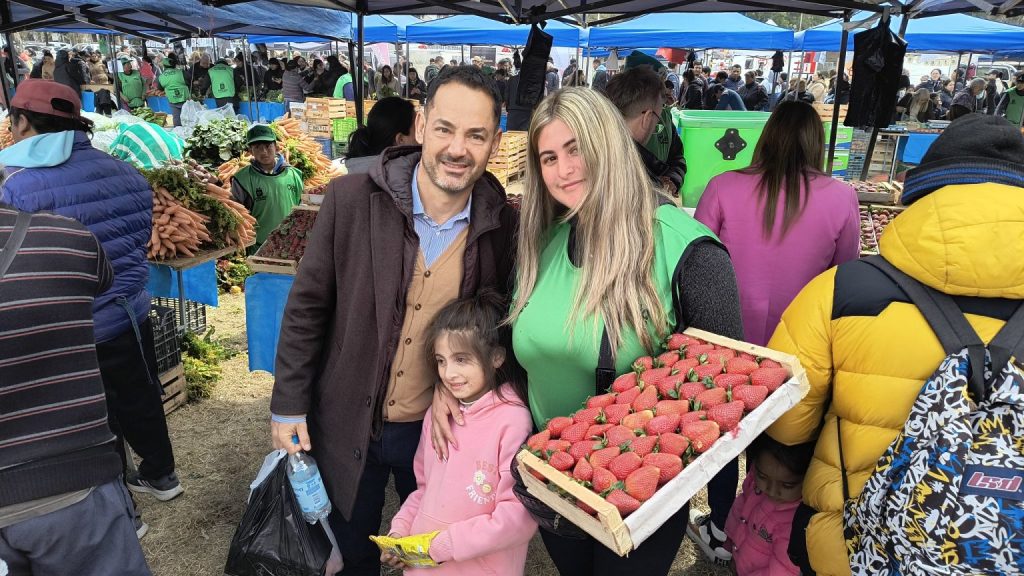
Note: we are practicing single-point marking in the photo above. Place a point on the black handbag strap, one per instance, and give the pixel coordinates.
(604, 374)
(14, 241)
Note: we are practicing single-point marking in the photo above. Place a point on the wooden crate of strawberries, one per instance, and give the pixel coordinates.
(623, 464)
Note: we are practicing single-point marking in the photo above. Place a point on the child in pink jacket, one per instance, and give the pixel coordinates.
(761, 518)
(468, 498)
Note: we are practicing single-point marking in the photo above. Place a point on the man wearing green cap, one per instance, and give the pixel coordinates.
(222, 84)
(664, 142)
(268, 187)
(175, 82)
(131, 85)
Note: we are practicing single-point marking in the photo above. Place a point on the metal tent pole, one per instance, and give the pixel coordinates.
(874, 130)
(834, 130)
(11, 54)
(408, 65)
(113, 75)
(359, 78)
(356, 75)
(970, 56)
(462, 55)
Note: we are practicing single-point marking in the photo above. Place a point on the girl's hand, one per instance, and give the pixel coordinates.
(444, 405)
(391, 561)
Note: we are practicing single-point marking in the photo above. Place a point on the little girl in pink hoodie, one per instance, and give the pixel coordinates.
(483, 528)
(761, 518)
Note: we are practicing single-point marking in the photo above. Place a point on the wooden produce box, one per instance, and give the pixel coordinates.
(350, 108)
(272, 265)
(508, 164)
(173, 382)
(319, 128)
(325, 108)
(825, 111)
(623, 536)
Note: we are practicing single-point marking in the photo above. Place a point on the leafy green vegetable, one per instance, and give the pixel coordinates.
(217, 141)
(300, 160)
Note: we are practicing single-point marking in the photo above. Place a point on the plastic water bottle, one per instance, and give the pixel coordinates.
(308, 486)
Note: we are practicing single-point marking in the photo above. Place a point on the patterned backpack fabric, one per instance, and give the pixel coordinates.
(947, 496)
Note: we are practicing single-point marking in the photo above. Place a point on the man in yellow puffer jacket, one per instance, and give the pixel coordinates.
(867, 350)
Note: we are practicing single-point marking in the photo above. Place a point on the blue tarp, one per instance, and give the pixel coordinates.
(389, 28)
(733, 31)
(952, 33)
(200, 283)
(265, 297)
(476, 30)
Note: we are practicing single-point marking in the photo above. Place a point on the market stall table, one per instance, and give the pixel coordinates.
(179, 265)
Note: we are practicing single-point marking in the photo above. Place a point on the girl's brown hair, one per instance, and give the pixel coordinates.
(791, 150)
(474, 325)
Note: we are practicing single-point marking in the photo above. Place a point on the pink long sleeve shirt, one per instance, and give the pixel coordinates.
(759, 530)
(483, 527)
(771, 271)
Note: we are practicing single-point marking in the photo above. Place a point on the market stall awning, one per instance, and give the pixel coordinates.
(950, 33)
(389, 28)
(734, 31)
(474, 30)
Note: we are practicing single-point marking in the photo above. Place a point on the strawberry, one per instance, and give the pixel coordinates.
(664, 407)
(674, 444)
(752, 396)
(677, 341)
(588, 416)
(583, 506)
(690, 390)
(583, 471)
(602, 479)
(727, 415)
(668, 464)
(647, 400)
(628, 396)
(770, 378)
(642, 482)
(538, 441)
(712, 397)
(740, 366)
(581, 449)
(557, 446)
(561, 461)
(695, 416)
(643, 363)
(698, 350)
(538, 475)
(618, 435)
(731, 380)
(703, 371)
(601, 458)
(746, 355)
(643, 445)
(684, 366)
(625, 503)
(624, 464)
(721, 355)
(576, 432)
(598, 430)
(669, 386)
(624, 382)
(768, 363)
(616, 412)
(662, 424)
(668, 358)
(653, 377)
(701, 434)
(637, 420)
(601, 401)
(557, 424)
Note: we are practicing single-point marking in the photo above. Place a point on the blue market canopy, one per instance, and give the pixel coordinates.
(950, 33)
(734, 31)
(475, 30)
(390, 28)
(178, 18)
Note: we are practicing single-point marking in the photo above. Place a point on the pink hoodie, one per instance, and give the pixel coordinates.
(469, 498)
(759, 530)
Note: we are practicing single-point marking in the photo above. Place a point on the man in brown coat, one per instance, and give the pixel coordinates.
(389, 249)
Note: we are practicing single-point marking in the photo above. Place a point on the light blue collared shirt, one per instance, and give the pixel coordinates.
(435, 238)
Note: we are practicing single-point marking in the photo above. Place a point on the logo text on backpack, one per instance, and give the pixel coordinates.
(995, 482)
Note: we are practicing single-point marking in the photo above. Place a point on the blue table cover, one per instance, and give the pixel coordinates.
(158, 104)
(200, 283)
(914, 146)
(88, 101)
(265, 298)
(262, 111)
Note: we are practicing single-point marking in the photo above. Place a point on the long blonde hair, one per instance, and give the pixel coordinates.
(615, 221)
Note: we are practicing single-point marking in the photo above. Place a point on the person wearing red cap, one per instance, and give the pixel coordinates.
(53, 167)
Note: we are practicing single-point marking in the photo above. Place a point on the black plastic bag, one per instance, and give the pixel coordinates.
(544, 515)
(273, 539)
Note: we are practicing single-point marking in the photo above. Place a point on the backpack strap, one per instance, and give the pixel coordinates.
(1009, 342)
(10, 249)
(945, 318)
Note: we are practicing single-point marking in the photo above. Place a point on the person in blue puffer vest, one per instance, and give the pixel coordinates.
(53, 167)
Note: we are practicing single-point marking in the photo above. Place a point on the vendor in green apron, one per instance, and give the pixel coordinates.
(344, 88)
(664, 143)
(222, 84)
(131, 86)
(1011, 106)
(268, 187)
(175, 82)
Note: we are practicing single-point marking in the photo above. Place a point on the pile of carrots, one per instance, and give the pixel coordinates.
(290, 131)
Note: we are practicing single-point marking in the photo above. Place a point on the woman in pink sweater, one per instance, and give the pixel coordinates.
(784, 222)
(468, 499)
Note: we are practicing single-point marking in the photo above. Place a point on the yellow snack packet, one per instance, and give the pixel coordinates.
(413, 550)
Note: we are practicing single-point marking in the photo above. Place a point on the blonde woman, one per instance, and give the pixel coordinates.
(602, 253)
(917, 107)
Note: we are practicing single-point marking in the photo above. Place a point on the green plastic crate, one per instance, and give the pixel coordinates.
(341, 128)
(700, 130)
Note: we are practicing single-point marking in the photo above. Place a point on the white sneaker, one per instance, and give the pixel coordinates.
(709, 538)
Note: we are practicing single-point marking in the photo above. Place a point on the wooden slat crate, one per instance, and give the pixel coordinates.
(272, 265)
(325, 108)
(175, 394)
(350, 108)
(623, 535)
(321, 128)
(508, 164)
(825, 111)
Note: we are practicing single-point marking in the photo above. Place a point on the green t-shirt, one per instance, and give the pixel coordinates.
(222, 81)
(561, 372)
(1014, 106)
(339, 88)
(132, 89)
(173, 83)
(273, 197)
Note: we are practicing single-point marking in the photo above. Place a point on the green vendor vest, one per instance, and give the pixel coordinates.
(561, 372)
(273, 196)
(1015, 106)
(132, 89)
(222, 81)
(174, 85)
(660, 143)
(339, 88)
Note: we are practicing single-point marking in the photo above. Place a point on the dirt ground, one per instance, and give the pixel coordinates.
(219, 444)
